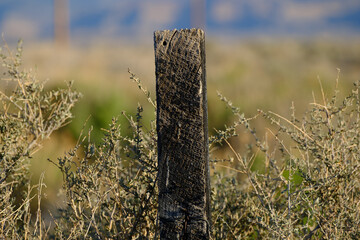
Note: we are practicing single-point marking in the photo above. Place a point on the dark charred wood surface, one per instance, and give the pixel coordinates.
(184, 189)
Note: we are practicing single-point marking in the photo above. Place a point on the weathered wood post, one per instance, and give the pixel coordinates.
(184, 185)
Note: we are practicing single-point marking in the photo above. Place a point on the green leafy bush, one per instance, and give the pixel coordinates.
(307, 186)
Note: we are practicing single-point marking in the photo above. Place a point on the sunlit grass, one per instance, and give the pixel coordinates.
(267, 74)
(255, 74)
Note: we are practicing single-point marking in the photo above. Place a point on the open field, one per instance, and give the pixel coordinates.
(266, 74)
(253, 74)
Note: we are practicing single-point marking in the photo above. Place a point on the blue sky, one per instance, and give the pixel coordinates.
(33, 19)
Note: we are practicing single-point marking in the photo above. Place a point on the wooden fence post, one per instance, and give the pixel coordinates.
(184, 185)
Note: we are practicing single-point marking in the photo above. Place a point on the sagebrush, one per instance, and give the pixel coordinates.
(28, 115)
(308, 187)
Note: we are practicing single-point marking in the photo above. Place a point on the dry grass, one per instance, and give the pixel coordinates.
(292, 174)
(308, 187)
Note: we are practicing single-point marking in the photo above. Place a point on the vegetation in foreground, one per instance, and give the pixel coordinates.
(298, 181)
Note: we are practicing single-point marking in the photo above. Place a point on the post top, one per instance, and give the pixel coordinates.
(197, 31)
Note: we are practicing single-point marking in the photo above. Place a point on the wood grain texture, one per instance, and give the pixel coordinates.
(184, 188)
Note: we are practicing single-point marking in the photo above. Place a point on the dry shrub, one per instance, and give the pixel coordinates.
(110, 189)
(28, 115)
(308, 187)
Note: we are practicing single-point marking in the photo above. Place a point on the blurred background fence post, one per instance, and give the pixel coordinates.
(198, 13)
(61, 23)
(184, 186)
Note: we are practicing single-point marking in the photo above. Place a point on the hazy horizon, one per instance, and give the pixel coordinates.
(135, 19)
